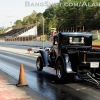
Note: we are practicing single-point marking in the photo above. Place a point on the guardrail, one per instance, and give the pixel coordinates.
(28, 43)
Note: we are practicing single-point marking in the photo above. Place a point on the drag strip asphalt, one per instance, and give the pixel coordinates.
(45, 82)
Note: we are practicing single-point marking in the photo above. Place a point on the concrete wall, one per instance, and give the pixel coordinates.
(28, 43)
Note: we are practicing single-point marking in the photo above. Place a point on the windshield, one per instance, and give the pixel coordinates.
(76, 39)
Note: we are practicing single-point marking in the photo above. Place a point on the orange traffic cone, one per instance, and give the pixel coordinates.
(22, 79)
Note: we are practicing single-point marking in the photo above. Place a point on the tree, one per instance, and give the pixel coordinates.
(18, 23)
(39, 21)
(50, 18)
(73, 16)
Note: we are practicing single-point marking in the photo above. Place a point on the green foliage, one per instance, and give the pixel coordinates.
(34, 18)
(63, 17)
(18, 23)
(50, 18)
(1, 32)
(27, 20)
(39, 21)
(96, 42)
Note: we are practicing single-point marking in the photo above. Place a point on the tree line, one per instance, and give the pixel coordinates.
(67, 14)
(71, 16)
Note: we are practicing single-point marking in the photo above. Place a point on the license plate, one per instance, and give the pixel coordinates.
(94, 64)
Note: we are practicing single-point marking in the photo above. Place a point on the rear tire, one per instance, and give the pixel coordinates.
(62, 75)
(60, 72)
(39, 64)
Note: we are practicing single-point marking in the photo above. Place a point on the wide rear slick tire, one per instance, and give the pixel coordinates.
(39, 64)
(60, 72)
(62, 75)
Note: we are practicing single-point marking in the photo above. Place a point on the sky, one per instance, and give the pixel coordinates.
(12, 10)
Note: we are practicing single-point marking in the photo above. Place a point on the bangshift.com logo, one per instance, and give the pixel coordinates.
(70, 4)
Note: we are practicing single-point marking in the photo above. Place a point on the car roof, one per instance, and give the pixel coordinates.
(74, 34)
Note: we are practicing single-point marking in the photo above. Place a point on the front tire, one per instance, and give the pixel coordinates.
(39, 64)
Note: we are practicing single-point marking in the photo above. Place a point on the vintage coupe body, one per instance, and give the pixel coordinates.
(71, 54)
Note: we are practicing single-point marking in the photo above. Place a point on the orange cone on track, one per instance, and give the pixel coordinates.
(22, 79)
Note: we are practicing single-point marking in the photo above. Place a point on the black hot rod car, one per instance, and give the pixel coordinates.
(71, 53)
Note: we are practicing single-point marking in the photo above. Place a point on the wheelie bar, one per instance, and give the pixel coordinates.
(93, 79)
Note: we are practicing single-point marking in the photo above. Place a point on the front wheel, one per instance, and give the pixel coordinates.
(39, 64)
(60, 72)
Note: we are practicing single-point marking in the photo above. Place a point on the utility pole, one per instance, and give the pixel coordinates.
(43, 33)
(36, 29)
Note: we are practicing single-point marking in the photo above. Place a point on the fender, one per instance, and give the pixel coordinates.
(66, 62)
(45, 57)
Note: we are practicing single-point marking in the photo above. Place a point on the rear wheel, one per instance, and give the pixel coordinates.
(62, 75)
(60, 72)
(39, 64)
